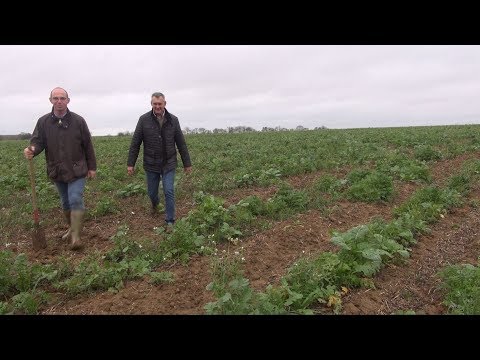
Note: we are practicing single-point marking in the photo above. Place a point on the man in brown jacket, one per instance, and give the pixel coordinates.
(70, 159)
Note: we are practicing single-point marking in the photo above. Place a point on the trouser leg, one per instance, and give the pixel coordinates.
(168, 180)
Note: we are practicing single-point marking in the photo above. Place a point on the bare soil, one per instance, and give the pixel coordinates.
(269, 253)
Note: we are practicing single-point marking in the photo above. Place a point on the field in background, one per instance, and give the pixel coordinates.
(277, 196)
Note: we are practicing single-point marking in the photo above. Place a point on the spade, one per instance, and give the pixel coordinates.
(38, 239)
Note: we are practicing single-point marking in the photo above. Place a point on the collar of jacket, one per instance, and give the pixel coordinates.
(55, 118)
(166, 116)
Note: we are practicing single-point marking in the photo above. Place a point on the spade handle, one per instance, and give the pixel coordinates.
(34, 195)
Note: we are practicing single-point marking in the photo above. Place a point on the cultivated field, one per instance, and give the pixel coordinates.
(361, 221)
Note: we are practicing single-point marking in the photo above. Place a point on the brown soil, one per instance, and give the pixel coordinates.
(269, 253)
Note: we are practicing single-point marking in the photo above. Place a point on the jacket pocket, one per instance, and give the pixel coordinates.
(80, 168)
(52, 171)
(170, 148)
(149, 156)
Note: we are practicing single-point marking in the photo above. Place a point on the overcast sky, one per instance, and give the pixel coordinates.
(216, 86)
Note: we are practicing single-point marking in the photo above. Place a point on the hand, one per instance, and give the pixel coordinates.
(91, 174)
(188, 169)
(28, 152)
(130, 170)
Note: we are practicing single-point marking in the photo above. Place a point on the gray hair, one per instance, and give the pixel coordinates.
(158, 94)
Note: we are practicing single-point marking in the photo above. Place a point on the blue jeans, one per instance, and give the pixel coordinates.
(71, 194)
(153, 181)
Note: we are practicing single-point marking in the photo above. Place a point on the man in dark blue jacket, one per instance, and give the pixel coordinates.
(160, 132)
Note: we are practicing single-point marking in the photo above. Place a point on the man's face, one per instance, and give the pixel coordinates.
(59, 100)
(158, 104)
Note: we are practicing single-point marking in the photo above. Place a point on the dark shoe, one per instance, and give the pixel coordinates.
(154, 210)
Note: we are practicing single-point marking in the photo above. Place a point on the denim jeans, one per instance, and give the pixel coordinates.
(71, 194)
(153, 181)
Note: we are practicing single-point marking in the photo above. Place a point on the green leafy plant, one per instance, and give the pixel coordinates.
(104, 207)
(28, 302)
(132, 189)
(161, 277)
(462, 286)
(371, 187)
(426, 153)
(232, 290)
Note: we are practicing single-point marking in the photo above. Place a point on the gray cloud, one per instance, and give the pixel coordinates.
(220, 86)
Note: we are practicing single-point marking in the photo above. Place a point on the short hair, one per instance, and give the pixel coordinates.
(51, 92)
(158, 94)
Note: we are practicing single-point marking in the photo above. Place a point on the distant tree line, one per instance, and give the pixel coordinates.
(187, 130)
(232, 130)
(125, 133)
(21, 136)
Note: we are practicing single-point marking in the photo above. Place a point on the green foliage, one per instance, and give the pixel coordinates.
(6, 265)
(14, 181)
(161, 277)
(220, 164)
(269, 176)
(182, 242)
(426, 153)
(462, 286)
(210, 217)
(124, 248)
(401, 167)
(469, 174)
(28, 302)
(104, 207)
(286, 202)
(357, 175)
(315, 280)
(412, 172)
(126, 260)
(365, 247)
(329, 184)
(471, 168)
(371, 187)
(4, 308)
(405, 227)
(132, 190)
(18, 275)
(317, 201)
(245, 180)
(429, 203)
(210, 206)
(271, 302)
(90, 275)
(246, 210)
(63, 268)
(364, 250)
(459, 183)
(258, 178)
(232, 290)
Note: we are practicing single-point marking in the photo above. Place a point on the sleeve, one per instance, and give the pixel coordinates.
(88, 146)
(137, 140)
(182, 145)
